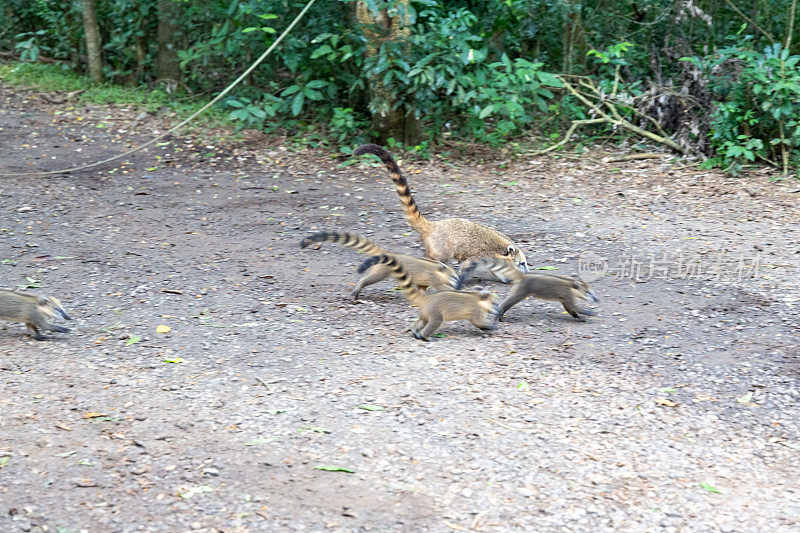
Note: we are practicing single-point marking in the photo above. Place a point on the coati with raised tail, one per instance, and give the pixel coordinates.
(480, 308)
(423, 272)
(33, 310)
(543, 286)
(451, 238)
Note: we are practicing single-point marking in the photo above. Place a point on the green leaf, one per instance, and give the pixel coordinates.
(311, 94)
(668, 390)
(297, 103)
(261, 440)
(194, 491)
(321, 51)
(316, 84)
(291, 90)
(370, 407)
(710, 488)
(329, 468)
(546, 268)
(250, 29)
(315, 429)
(178, 360)
(133, 339)
(486, 111)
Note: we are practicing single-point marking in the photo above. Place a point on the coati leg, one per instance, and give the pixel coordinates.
(374, 275)
(34, 332)
(418, 326)
(58, 329)
(434, 323)
(587, 312)
(574, 311)
(484, 323)
(516, 296)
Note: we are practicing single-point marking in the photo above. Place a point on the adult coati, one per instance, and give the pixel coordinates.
(539, 285)
(452, 238)
(33, 310)
(480, 308)
(423, 272)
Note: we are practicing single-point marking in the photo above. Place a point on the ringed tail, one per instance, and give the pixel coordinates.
(494, 264)
(411, 292)
(345, 239)
(410, 209)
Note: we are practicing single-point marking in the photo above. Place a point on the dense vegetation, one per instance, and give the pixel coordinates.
(719, 79)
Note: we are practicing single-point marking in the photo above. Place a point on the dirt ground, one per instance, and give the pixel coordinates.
(676, 409)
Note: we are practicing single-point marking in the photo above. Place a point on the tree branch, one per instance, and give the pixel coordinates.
(617, 120)
(767, 34)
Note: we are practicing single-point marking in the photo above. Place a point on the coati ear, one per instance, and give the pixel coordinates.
(511, 250)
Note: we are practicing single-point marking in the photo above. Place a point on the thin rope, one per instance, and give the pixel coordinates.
(186, 121)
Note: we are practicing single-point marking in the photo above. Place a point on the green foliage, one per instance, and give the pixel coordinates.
(758, 104)
(29, 48)
(56, 78)
(469, 71)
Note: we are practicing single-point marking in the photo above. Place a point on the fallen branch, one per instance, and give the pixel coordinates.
(64, 100)
(633, 157)
(615, 119)
(570, 131)
(11, 55)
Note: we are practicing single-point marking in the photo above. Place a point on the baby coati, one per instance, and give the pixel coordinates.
(424, 273)
(33, 310)
(480, 308)
(452, 238)
(539, 285)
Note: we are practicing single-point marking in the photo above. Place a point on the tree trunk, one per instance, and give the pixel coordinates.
(93, 42)
(388, 119)
(167, 62)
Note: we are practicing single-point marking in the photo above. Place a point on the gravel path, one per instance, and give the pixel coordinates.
(675, 410)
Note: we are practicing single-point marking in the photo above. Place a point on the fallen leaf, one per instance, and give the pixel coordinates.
(369, 407)
(262, 440)
(93, 415)
(664, 401)
(178, 360)
(194, 491)
(710, 488)
(163, 329)
(328, 468)
(133, 339)
(315, 429)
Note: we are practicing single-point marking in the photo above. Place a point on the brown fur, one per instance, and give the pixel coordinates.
(539, 285)
(424, 273)
(480, 308)
(32, 310)
(452, 238)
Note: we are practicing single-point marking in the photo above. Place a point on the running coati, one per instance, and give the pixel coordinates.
(451, 238)
(480, 308)
(424, 273)
(539, 285)
(33, 310)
